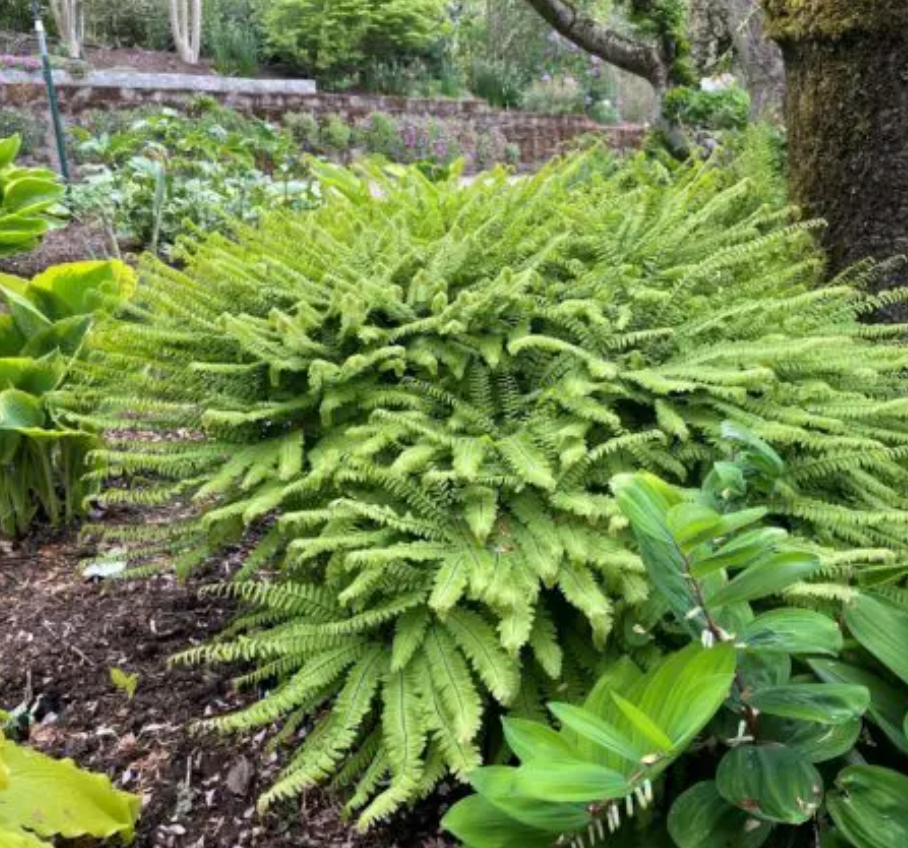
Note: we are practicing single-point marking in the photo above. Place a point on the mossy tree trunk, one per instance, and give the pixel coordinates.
(847, 115)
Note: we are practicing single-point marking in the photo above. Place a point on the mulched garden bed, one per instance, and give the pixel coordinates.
(60, 636)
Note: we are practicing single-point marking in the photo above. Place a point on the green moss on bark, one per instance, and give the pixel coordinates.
(798, 20)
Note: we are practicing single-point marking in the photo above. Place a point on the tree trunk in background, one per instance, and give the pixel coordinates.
(722, 29)
(69, 16)
(186, 27)
(847, 115)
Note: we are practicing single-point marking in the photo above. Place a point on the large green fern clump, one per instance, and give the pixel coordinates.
(408, 404)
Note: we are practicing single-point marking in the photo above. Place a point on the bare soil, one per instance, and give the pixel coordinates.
(60, 636)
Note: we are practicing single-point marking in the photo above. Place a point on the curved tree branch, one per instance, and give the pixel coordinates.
(635, 57)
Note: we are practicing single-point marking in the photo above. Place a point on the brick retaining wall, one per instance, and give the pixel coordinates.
(538, 136)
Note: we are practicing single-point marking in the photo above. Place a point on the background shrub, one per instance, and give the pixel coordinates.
(555, 96)
(414, 399)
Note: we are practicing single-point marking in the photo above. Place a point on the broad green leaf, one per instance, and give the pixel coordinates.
(570, 781)
(9, 150)
(498, 785)
(26, 316)
(770, 782)
(65, 336)
(792, 631)
(20, 411)
(644, 724)
(701, 818)
(54, 798)
(870, 806)
(531, 741)
(888, 704)
(819, 742)
(768, 578)
(883, 630)
(741, 552)
(826, 703)
(82, 288)
(692, 524)
(477, 822)
(594, 729)
(19, 839)
(763, 458)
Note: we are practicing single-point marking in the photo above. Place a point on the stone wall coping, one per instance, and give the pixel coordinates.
(198, 84)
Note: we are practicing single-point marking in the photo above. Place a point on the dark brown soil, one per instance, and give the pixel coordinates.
(73, 243)
(61, 635)
(144, 62)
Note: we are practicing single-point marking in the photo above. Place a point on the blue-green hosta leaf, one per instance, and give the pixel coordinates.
(65, 336)
(478, 823)
(826, 703)
(792, 631)
(498, 784)
(771, 782)
(888, 705)
(570, 781)
(54, 798)
(819, 742)
(883, 630)
(870, 806)
(702, 818)
(768, 578)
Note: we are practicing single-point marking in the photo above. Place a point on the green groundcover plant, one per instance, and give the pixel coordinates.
(43, 327)
(777, 748)
(407, 407)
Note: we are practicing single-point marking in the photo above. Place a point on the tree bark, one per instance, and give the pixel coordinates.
(723, 29)
(186, 28)
(847, 114)
(69, 17)
(643, 60)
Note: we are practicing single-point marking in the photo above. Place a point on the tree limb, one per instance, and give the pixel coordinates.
(635, 57)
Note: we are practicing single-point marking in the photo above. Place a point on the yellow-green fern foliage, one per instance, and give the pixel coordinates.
(408, 404)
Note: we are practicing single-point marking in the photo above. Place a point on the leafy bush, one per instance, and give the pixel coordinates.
(43, 326)
(129, 23)
(413, 400)
(331, 37)
(380, 134)
(336, 135)
(305, 130)
(555, 96)
(497, 82)
(33, 811)
(726, 109)
(29, 129)
(166, 171)
(29, 201)
(711, 563)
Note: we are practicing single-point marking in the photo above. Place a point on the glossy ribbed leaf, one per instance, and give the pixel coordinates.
(825, 703)
(792, 631)
(770, 782)
(771, 577)
(870, 806)
(570, 781)
(477, 822)
(883, 630)
(701, 818)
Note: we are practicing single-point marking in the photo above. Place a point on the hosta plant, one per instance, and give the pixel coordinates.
(769, 747)
(42, 799)
(29, 201)
(43, 326)
(407, 407)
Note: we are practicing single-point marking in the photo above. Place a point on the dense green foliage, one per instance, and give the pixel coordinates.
(43, 327)
(152, 175)
(413, 400)
(42, 799)
(29, 201)
(716, 572)
(323, 35)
